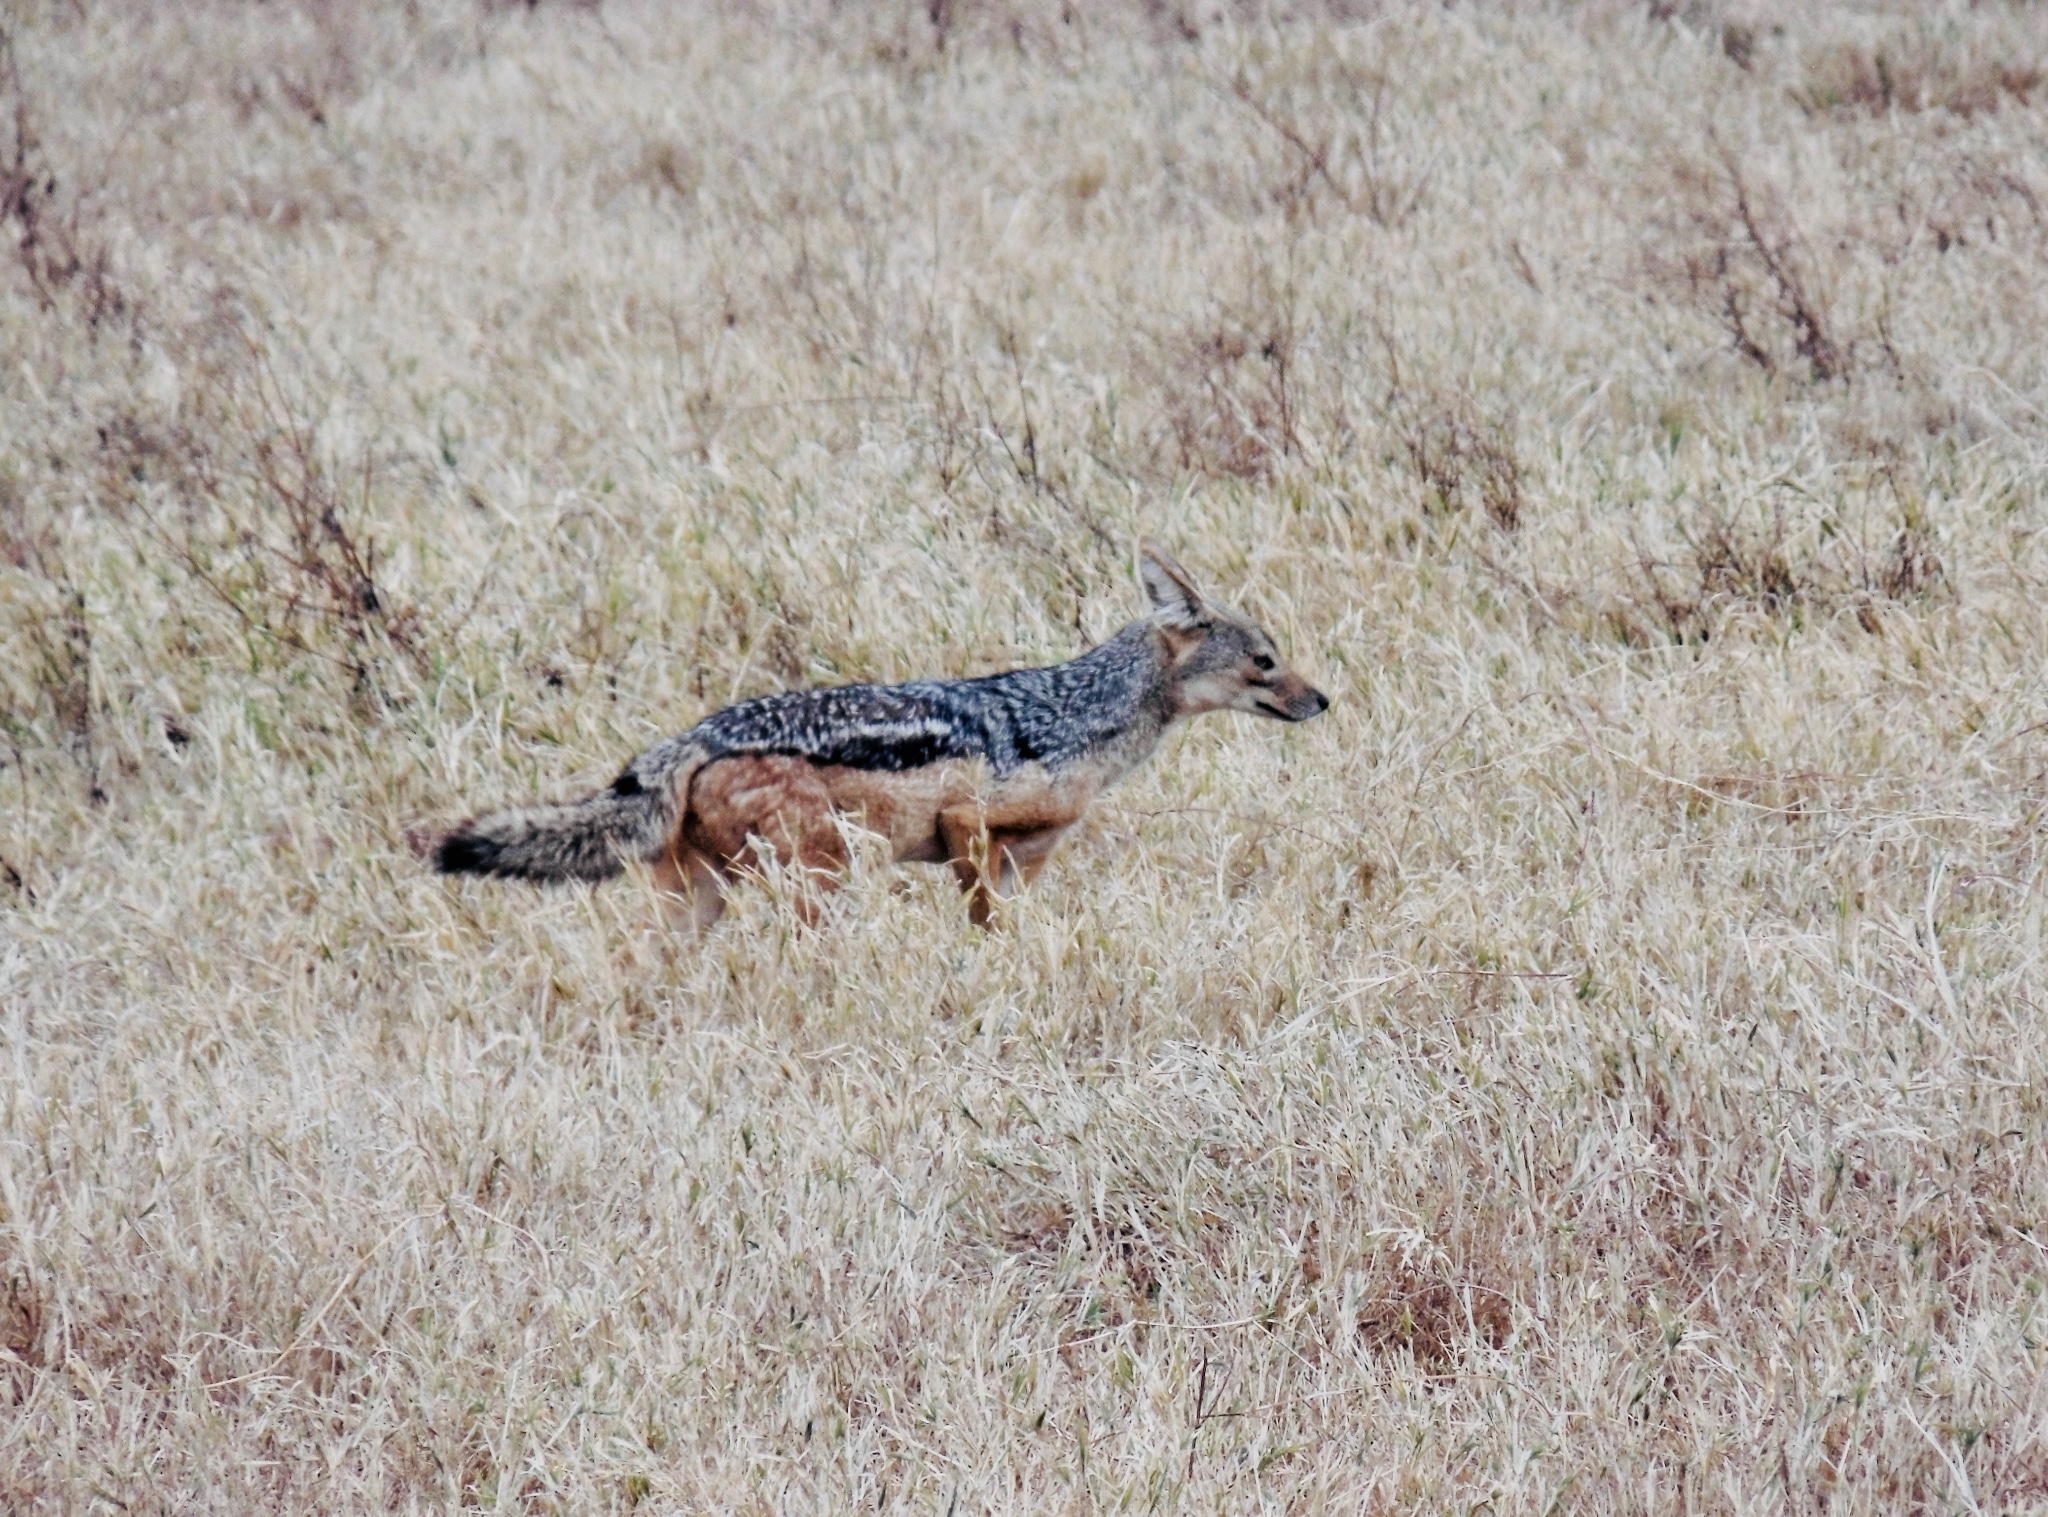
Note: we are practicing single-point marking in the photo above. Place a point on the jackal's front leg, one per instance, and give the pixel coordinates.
(993, 848)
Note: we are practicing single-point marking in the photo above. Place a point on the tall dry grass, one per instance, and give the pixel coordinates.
(1598, 1067)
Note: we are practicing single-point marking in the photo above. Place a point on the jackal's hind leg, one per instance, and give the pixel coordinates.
(743, 810)
(693, 887)
(814, 854)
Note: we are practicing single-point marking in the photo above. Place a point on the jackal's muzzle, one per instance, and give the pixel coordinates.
(1294, 699)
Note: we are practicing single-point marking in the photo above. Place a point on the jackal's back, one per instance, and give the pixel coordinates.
(1050, 716)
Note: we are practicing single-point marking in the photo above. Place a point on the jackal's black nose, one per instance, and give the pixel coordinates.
(1311, 703)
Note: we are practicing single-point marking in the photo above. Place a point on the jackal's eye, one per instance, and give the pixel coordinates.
(1261, 663)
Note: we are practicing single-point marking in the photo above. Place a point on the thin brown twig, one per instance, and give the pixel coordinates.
(1240, 90)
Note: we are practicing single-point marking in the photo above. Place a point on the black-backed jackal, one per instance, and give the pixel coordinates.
(983, 774)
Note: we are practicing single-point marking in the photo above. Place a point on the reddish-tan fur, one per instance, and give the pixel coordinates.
(994, 838)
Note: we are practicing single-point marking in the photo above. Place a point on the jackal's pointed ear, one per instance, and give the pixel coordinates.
(1175, 600)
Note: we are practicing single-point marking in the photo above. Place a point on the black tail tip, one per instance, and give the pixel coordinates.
(463, 853)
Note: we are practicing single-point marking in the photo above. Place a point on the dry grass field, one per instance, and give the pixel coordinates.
(1599, 1066)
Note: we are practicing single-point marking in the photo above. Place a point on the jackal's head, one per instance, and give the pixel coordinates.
(1219, 659)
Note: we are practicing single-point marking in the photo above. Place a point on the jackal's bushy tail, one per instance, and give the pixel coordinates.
(590, 839)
